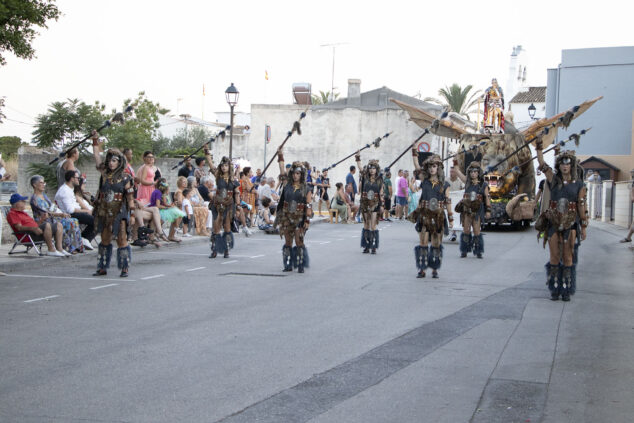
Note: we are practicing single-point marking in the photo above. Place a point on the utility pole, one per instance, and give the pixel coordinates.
(332, 81)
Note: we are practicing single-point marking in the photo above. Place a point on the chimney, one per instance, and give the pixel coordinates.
(354, 92)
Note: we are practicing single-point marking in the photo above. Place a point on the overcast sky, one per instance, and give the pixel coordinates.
(111, 50)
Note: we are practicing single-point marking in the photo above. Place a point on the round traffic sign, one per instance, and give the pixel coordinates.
(424, 147)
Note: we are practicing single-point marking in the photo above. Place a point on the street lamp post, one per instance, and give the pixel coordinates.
(531, 111)
(231, 94)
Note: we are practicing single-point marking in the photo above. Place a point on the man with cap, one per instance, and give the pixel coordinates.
(22, 223)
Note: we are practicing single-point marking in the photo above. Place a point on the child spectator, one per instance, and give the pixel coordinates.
(188, 210)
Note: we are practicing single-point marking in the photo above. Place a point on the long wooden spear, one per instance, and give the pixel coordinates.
(296, 128)
(376, 143)
(220, 134)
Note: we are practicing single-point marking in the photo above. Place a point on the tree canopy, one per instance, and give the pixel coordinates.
(9, 146)
(457, 99)
(18, 19)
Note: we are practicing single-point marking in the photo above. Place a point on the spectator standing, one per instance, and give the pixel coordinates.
(200, 170)
(248, 193)
(4, 176)
(188, 210)
(258, 176)
(350, 181)
(65, 165)
(187, 169)
(66, 201)
(455, 184)
(324, 185)
(628, 237)
(387, 195)
(147, 178)
(401, 195)
(22, 223)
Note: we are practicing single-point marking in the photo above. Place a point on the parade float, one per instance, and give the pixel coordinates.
(501, 149)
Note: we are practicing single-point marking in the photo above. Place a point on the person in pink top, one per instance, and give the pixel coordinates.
(401, 195)
(145, 176)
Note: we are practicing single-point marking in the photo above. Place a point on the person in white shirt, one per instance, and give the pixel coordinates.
(186, 206)
(67, 202)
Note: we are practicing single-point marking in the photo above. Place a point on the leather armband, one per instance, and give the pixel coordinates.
(357, 157)
(130, 190)
(280, 157)
(544, 168)
(584, 223)
(414, 152)
(450, 217)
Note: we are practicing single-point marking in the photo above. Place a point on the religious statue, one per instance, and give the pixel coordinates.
(494, 108)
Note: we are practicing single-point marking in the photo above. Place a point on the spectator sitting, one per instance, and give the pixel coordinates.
(339, 203)
(265, 215)
(22, 223)
(205, 188)
(264, 191)
(45, 210)
(275, 196)
(187, 169)
(352, 208)
(188, 210)
(84, 199)
(200, 171)
(66, 201)
(201, 211)
(161, 199)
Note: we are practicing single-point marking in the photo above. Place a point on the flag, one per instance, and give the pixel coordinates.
(203, 89)
(266, 75)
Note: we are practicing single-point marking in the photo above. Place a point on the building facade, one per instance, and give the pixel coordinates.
(588, 73)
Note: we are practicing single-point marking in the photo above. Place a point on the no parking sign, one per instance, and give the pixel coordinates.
(424, 147)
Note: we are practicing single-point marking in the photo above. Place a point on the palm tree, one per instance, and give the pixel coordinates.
(323, 97)
(457, 99)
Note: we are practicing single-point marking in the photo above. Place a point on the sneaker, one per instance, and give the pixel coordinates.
(388, 220)
(246, 231)
(87, 244)
(187, 235)
(55, 254)
(66, 253)
(453, 237)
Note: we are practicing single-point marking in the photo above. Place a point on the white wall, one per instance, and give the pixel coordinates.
(521, 118)
(329, 135)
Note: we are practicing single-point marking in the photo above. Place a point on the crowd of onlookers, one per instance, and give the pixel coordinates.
(66, 223)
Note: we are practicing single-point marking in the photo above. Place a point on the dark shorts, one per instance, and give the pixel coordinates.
(388, 202)
(325, 196)
(401, 201)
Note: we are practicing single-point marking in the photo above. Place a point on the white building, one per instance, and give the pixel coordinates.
(334, 130)
(517, 73)
(521, 102)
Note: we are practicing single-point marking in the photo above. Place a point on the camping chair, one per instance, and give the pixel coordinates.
(22, 238)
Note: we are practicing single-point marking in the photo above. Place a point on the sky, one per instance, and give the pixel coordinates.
(111, 50)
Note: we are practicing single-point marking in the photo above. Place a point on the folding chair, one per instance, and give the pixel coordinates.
(22, 239)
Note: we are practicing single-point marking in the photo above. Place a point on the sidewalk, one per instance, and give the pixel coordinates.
(19, 262)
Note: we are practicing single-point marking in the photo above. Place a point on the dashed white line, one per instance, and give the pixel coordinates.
(104, 286)
(152, 277)
(258, 256)
(41, 299)
(325, 242)
(230, 261)
(64, 277)
(195, 268)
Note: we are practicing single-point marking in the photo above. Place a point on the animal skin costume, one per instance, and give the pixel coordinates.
(429, 215)
(222, 207)
(116, 192)
(292, 215)
(474, 204)
(371, 202)
(565, 213)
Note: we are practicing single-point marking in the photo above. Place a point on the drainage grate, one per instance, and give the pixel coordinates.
(272, 275)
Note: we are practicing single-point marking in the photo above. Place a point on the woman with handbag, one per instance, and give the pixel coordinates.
(339, 203)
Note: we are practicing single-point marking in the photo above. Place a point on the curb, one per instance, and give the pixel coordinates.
(29, 261)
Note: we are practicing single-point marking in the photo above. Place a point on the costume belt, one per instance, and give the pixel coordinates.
(572, 205)
(428, 204)
(117, 196)
(298, 206)
(467, 196)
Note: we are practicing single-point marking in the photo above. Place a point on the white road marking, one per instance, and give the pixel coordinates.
(41, 299)
(261, 255)
(152, 277)
(195, 268)
(230, 261)
(325, 242)
(65, 277)
(189, 254)
(104, 286)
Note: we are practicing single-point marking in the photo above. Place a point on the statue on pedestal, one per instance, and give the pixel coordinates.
(494, 108)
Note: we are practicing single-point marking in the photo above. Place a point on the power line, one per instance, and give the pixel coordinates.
(19, 121)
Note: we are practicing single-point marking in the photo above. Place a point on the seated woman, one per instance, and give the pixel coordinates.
(265, 214)
(44, 210)
(169, 213)
(201, 211)
(339, 202)
(82, 196)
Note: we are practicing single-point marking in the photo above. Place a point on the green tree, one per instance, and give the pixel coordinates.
(457, 99)
(323, 97)
(9, 146)
(140, 127)
(17, 21)
(67, 121)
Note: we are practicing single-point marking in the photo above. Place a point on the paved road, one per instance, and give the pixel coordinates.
(355, 339)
